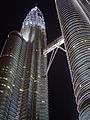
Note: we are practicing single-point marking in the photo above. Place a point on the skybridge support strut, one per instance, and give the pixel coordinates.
(53, 46)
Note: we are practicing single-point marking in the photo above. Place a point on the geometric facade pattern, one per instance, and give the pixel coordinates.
(23, 80)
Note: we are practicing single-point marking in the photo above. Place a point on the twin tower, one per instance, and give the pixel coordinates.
(23, 66)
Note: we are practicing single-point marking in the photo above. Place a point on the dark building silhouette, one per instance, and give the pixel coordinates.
(23, 80)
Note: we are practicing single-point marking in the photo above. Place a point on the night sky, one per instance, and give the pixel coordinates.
(61, 99)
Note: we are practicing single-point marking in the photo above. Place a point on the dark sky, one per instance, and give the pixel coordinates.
(61, 99)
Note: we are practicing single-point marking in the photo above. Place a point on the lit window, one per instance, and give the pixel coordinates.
(9, 55)
(11, 71)
(24, 66)
(3, 85)
(6, 69)
(21, 90)
(36, 117)
(38, 76)
(4, 78)
(8, 87)
(80, 86)
(73, 46)
(88, 48)
(35, 81)
(43, 101)
(1, 91)
(36, 92)
(32, 77)
(13, 85)
(85, 40)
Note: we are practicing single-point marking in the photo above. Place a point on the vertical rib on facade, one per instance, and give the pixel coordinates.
(85, 4)
(76, 32)
(34, 103)
(9, 85)
(23, 80)
(36, 94)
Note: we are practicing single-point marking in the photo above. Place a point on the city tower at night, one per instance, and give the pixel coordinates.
(23, 80)
(23, 62)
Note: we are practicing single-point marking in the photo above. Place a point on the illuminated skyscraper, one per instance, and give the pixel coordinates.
(23, 80)
(74, 16)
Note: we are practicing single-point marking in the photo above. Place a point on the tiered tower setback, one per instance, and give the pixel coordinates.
(23, 80)
(75, 25)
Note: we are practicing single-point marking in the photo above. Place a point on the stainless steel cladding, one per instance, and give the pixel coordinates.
(23, 79)
(75, 27)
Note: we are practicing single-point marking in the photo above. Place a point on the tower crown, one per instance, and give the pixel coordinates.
(34, 17)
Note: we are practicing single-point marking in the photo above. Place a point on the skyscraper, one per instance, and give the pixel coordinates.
(23, 80)
(75, 24)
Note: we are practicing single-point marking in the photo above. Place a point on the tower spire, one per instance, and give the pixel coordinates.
(36, 4)
(34, 17)
(23, 89)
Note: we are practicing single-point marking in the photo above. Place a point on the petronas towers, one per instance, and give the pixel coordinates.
(23, 80)
(74, 16)
(23, 65)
